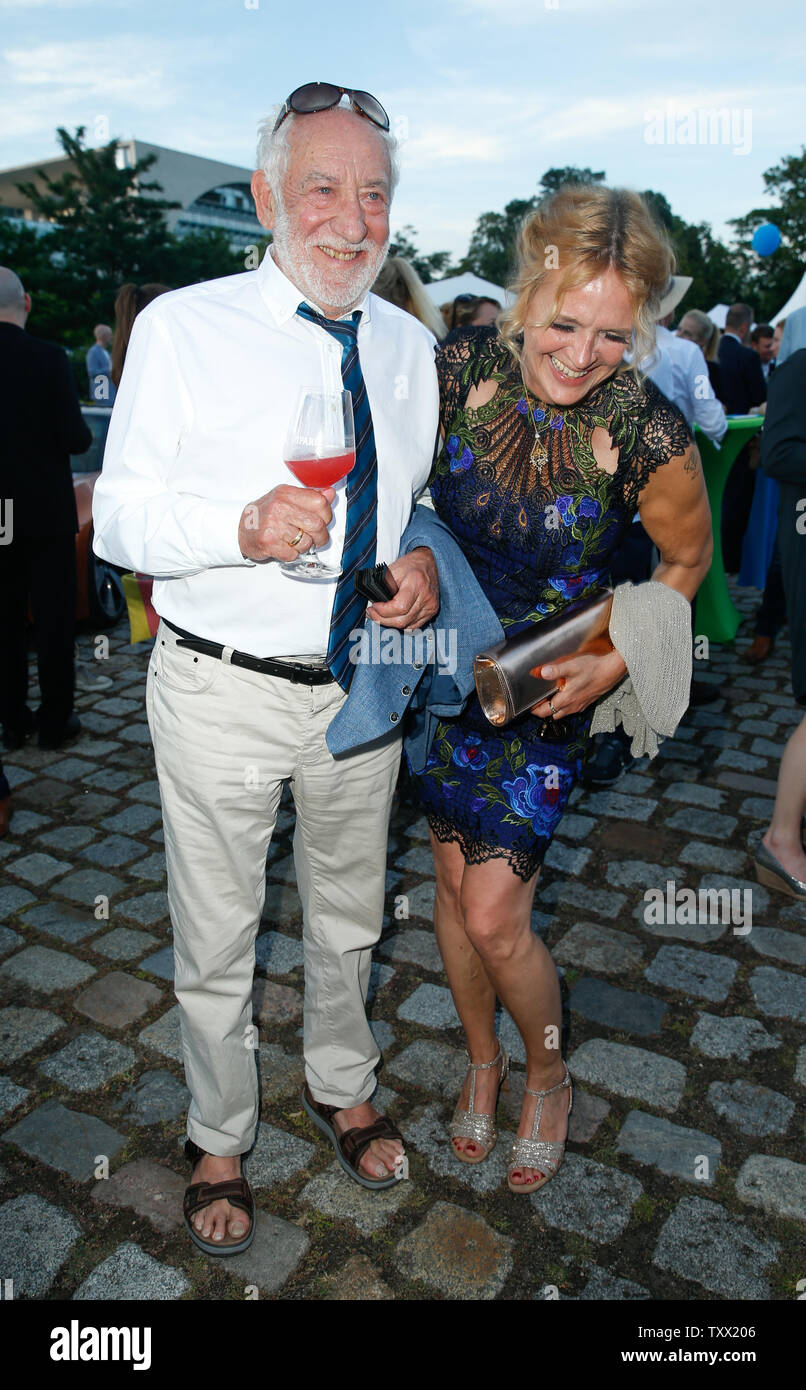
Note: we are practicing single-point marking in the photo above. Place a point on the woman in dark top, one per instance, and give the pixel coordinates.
(550, 445)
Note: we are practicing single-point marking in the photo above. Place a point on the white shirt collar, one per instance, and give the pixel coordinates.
(283, 297)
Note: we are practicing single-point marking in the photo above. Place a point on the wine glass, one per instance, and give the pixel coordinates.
(319, 450)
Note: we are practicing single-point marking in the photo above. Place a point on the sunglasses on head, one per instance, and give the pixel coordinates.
(322, 96)
(462, 299)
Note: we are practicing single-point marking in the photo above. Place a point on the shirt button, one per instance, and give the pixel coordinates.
(394, 716)
(406, 690)
(417, 665)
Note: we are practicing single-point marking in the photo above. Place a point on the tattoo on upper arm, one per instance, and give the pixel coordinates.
(692, 461)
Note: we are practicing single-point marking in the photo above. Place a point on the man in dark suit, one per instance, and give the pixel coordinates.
(42, 426)
(743, 387)
(761, 341)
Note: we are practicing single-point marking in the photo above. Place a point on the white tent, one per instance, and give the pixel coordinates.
(718, 314)
(443, 291)
(795, 301)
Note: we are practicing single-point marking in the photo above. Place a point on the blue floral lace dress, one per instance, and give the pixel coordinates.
(538, 519)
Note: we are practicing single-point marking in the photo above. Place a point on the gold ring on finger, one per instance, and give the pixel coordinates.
(298, 537)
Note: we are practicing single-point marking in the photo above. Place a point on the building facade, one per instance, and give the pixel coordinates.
(209, 192)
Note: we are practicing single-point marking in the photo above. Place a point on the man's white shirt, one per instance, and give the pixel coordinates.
(211, 381)
(679, 369)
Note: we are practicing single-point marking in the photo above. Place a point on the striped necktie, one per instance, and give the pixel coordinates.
(362, 498)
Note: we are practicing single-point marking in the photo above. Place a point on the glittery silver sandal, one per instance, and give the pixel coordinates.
(479, 1128)
(543, 1154)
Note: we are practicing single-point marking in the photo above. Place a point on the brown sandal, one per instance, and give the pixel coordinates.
(353, 1143)
(198, 1195)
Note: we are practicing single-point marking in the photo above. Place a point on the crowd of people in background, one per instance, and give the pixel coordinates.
(43, 429)
(708, 374)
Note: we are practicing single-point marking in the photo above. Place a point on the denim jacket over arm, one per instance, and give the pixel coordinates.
(427, 677)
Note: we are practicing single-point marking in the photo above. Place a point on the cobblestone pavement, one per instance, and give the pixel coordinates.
(684, 1176)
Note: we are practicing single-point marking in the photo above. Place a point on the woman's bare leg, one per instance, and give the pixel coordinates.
(483, 923)
(783, 838)
(497, 908)
(470, 986)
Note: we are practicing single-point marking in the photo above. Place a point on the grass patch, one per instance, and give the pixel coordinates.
(645, 1208)
(580, 1247)
(786, 1276)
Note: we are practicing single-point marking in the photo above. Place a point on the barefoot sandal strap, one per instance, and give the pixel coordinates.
(468, 1124)
(236, 1191)
(544, 1154)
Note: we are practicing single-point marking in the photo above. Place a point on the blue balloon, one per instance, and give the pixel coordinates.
(766, 239)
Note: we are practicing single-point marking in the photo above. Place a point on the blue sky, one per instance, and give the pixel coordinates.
(487, 93)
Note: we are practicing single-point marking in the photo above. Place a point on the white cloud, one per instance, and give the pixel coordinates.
(130, 81)
(441, 143)
(105, 70)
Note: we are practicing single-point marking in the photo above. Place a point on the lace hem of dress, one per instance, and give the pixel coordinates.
(524, 863)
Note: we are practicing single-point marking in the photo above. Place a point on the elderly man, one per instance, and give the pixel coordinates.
(249, 665)
(99, 366)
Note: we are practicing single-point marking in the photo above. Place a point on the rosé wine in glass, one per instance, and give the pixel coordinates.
(322, 472)
(320, 451)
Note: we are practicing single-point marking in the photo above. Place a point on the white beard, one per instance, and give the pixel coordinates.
(315, 282)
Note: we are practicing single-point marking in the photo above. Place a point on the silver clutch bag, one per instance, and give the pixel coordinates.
(508, 680)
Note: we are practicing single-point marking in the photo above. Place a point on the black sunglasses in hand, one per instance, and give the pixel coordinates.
(321, 96)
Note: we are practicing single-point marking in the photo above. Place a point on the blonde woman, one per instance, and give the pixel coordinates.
(550, 445)
(400, 284)
(699, 329)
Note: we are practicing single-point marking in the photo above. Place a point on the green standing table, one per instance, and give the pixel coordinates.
(717, 615)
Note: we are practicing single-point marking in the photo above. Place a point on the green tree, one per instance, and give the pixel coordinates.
(770, 280)
(434, 266)
(492, 250)
(491, 253)
(202, 255)
(698, 253)
(29, 254)
(554, 179)
(108, 226)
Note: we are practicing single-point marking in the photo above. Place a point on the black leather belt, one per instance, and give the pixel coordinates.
(287, 670)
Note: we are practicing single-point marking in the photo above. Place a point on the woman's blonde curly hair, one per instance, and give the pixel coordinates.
(576, 234)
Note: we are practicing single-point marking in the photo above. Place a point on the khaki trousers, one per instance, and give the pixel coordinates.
(225, 739)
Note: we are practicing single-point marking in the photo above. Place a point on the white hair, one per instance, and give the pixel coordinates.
(273, 151)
